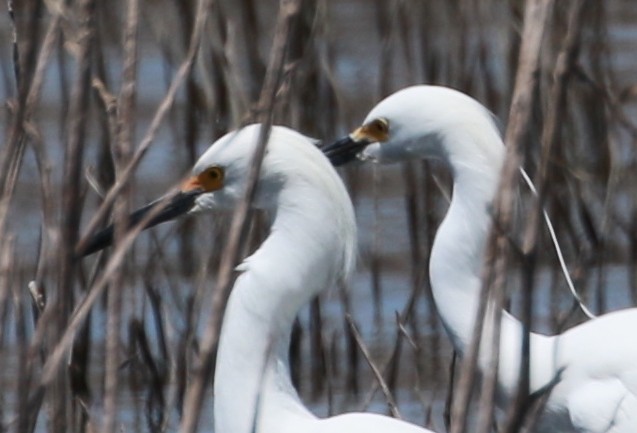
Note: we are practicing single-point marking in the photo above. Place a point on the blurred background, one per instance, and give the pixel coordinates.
(87, 83)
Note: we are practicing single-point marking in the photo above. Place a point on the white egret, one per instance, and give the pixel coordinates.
(596, 391)
(312, 242)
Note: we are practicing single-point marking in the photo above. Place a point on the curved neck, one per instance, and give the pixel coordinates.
(457, 258)
(252, 374)
(458, 251)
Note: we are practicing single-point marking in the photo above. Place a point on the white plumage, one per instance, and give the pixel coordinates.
(311, 243)
(597, 390)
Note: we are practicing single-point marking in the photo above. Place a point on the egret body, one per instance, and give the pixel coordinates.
(312, 243)
(595, 363)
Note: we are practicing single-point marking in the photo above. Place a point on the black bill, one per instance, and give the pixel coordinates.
(164, 209)
(344, 150)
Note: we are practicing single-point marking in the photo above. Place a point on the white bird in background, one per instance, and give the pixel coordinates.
(312, 243)
(596, 391)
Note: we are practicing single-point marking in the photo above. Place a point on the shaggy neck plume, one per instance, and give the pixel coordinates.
(252, 375)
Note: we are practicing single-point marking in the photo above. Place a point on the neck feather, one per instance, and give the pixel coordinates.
(302, 255)
(458, 256)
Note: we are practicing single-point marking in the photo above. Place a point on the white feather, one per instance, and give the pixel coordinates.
(311, 243)
(597, 390)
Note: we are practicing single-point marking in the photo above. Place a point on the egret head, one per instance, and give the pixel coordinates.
(293, 172)
(413, 123)
(221, 172)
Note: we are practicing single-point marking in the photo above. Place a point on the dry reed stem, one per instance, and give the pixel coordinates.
(389, 369)
(288, 9)
(566, 62)
(537, 13)
(49, 232)
(420, 376)
(86, 303)
(535, 18)
(203, 9)
(6, 265)
(317, 349)
(123, 148)
(23, 64)
(389, 398)
(352, 353)
(557, 109)
(58, 392)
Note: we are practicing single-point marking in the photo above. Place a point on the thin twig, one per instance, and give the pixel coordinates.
(558, 251)
(536, 18)
(203, 9)
(389, 398)
(203, 369)
(81, 311)
(123, 150)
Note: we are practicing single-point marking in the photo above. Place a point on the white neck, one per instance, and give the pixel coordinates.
(458, 254)
(252, 375)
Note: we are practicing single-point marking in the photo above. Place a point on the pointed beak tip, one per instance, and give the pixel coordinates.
(157, 212)
(344, 150)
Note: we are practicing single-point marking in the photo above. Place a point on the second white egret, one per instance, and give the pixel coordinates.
(596, 389)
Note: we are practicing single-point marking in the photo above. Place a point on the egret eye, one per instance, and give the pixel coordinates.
(215, 173)
(381, 125)
(211, 178)
(376, 130)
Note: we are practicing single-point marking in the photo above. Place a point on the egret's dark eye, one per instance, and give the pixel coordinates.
(214, 173)
(381, 125)
(211, 179)
(376, 130)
